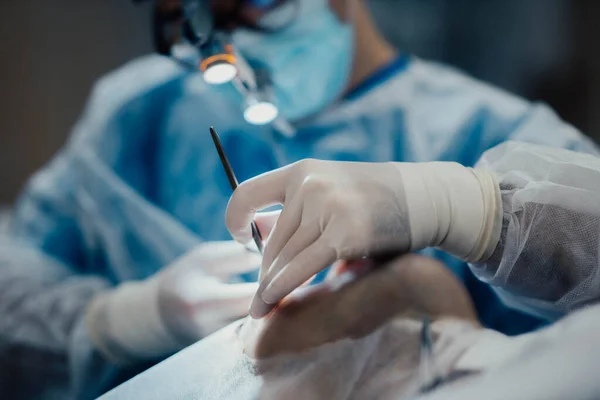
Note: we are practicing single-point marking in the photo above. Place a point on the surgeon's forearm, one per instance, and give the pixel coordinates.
(41, 308)
(547, 254)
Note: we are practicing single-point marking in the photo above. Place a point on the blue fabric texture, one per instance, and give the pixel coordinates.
(140, 183)
(309, 61)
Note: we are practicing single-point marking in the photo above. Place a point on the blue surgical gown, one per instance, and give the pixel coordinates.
(139, 183)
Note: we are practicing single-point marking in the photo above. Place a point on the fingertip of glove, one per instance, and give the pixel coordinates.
(258, 308)
(243, 236)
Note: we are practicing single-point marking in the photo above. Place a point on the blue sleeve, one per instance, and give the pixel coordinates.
(457, 118)
(506, 117)
(50, 264)
(112, 145)
(541, 125)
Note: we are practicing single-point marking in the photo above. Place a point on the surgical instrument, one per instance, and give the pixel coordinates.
(234, 184)
(429, 377)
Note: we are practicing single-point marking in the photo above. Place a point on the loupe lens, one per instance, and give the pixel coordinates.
(219, 73)
(260, 113)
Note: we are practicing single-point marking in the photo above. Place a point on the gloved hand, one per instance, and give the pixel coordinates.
(346, 210)
(181, 304)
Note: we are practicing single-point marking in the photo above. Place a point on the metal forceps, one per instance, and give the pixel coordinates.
(234, 184)
(429, 377)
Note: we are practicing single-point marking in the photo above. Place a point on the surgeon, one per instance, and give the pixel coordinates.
(526, 218)
(118, 254)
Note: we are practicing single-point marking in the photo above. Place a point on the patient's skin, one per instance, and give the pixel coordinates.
(288, 355)
(409, 285)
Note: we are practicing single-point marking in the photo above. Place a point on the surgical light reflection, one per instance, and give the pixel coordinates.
(260, 113)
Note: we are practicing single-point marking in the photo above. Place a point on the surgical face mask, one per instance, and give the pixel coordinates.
(309, 62)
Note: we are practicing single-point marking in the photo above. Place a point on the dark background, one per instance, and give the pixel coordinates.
(52, 51)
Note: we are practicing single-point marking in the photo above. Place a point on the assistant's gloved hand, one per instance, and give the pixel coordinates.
(346, 210)
(181, 304)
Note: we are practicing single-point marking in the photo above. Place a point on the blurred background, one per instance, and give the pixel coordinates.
(52, 51)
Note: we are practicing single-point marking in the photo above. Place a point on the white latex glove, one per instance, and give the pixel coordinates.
(346, 210)
(181, 304)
